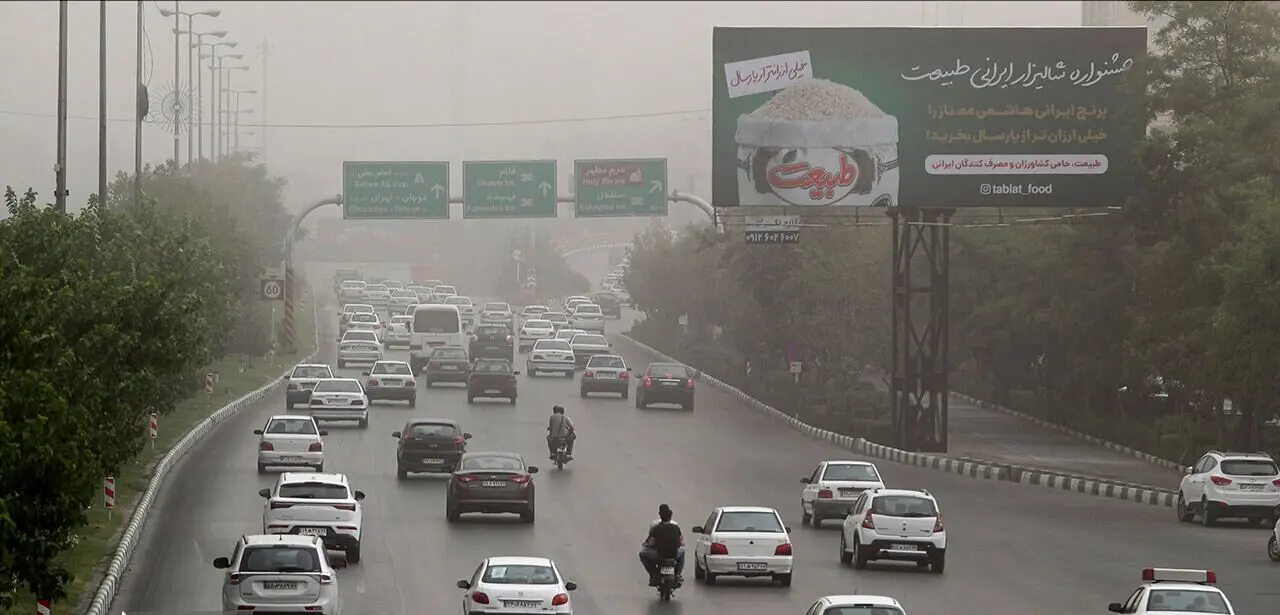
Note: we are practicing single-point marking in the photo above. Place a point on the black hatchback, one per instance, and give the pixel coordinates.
(429, 445)
(492, 378)
(666, 383)
(447, 364)
(610, 305)
(492, 342)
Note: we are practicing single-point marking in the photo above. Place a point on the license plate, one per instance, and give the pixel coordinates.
(279, 585)
(493, 483)
(522, 604)
(666, 570)
(449, 368)
(432, 461)
(291, 459)
(902, 547)
(334, 402)
(394, 383)
(369, 348)
(752, 566)
(669, 384)
(313, 531)
(850, 492)
(494, 391)
(1250, 487)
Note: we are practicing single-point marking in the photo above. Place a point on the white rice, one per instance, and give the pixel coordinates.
(818, 100)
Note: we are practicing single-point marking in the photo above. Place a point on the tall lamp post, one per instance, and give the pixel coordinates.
(235, 125)
(212, 56)
(191, 57)
(195, 121)
(224, 116)
(215, 70)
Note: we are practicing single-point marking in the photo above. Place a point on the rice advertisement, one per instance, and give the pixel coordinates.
(926, 117)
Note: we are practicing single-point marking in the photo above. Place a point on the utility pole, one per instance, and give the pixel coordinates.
(141, 104)
(215, 61)
(192, 52)
(266, 119)
(177, 82)
(60, 167)
(102, 104)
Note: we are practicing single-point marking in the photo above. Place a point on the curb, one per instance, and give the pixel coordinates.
(1009, 473)
(110, 584)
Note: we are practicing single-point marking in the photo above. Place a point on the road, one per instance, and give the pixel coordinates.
(1013, 548)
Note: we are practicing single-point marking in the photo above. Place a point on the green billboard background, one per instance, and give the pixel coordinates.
(985, 117)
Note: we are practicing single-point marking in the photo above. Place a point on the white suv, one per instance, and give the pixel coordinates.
(280, 573)
(899, 524)
(322, 505)
(833, 488)
(1223, 485)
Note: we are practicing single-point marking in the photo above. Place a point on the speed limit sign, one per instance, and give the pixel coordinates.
(272, 289)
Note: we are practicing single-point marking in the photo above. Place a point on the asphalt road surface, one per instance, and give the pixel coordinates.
(1014, 549)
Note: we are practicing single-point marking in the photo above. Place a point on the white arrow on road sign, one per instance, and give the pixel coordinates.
(436, 190)
(417, 179)
(655, 186)
(545, 188)
(272, 290)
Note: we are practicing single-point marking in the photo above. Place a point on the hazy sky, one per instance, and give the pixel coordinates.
(345, 63)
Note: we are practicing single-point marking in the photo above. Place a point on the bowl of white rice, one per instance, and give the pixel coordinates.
(818, 143)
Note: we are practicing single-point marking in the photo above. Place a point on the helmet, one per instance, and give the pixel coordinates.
(557, 410)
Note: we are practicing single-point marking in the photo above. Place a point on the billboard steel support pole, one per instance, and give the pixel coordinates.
(289, 333)
(921, 328)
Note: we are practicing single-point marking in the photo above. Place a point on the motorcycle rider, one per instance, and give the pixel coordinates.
(560, 426)
(665, 541)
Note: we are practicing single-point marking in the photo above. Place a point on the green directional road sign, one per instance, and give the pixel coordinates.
(614, 188)
(395, 190)
(509, 189)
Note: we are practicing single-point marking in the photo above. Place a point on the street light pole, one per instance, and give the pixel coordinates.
(213, 59)
(60, 167)
(234, 138)
(102, 104)
(139, 103)
(192, 52)
(177, 82)
(225, 129)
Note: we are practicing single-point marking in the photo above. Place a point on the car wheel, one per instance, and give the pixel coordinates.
(815, 521)
(262, 469)
(1273, 549)
(626, 393)
(938, 563)
(288, 406)
(805, 517)
(783, 579)
(582, 393)
(527, 515)
(698, 573)
(709, 577)
(364, 423)
(1207, 518)
(401, 474)
(859, 555)
(688, 406)
(353, 554)
(413, 401)
(320, 468)
(471, 399)
(513, 400)
(1184, 512)
(341, 364)
(429, 383)
(640, 402)
(845, 556)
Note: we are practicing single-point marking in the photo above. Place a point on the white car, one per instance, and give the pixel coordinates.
(586, 345)
(377, 295)
(517, 585)
(572, 303)
(531, 312)
(557, 319)
(421, 292)
(833, 488)
(397, 331)
(364, 321)
(315, 504)
(588, 317)
(351, 289)
(743, 541)
(394, 285)
(465, 308)
(302, 379)
(1223, 485)
(567, 333)
(532, 331)
(894, 524)
(359, 346)
(550, 355)
(350, 309)
(280, 573)
(400, 301)
(339, 399)
(855, 604)
(1176, 590)
(443, 291)
(290, 440)
(496, 312)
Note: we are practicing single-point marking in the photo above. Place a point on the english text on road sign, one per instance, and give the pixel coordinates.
(509, 189)
(272, 289)
(395, 190)
(614, 188)
(109, 492)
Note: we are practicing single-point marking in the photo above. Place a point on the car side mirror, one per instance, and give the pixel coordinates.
(464, 584)
(570, 586)
(364, 373)
(805, 480)
(697, 529)
(515, 373)
(257, 432)
(324, 432)
(533, 469)
(1190, 470)
(266, 493)
(611, 344)
(1115, 607)
(851, 511)
(337, 559)
(788, 529)
(359, 495)
(397, 435)
(221, 563)
(466, 436)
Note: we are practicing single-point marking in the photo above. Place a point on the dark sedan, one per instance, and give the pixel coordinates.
(429, 445)
(666, 383)
(447, 364)
(493, 341)
(610, 305)
(492, 378)
(491, 483)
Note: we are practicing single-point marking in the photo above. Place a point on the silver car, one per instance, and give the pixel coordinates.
(275, 573)
(496, 312)
(400, 301)
(359, 346)
(587, 345)
(397, 332)
(549, 355)
(290, 440)
(339, 399)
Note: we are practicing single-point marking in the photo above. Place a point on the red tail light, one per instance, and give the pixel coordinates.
(465, 478)
(648, 381)
(266, 446)
(459, 442)
(521, 479)
(292, 387)
(825, 494)
(373, 382)
(560, 599)
(315, 447)
(279, 505)
(480, 597)
(867, 522)
(234, 578)
(1276, 482)
(347, 507)
(357, 402)
(410, 383)
(623, 376)
(1220, 481)
(937, 525)
(784, 549)
(688, 384)
(588, 374)
(718, 548)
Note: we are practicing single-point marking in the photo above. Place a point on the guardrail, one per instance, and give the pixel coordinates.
(604, 245)
(110, 584)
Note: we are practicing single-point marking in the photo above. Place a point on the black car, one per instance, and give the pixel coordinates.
(491, 483)
(605, 373)
(610, 305)
(447, 364)
(493, 341)
(666, 383)
(391, 381)
(429, 445)
(491, 378)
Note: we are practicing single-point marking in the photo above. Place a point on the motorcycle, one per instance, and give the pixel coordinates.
(667, 579)
(1273, 545)
(562, 453)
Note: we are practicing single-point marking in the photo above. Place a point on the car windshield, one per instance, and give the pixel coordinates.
(520, 575)
(491, 367)
(402, 320)
(301, 427)
(903, 506)
(554, 317)
(458, 301)
(398, 369)
(1249, 467)
(552, 345)
(862, 609)
(537, 324)
(312, 490)
(589, 340)
(849, 471)
(607, 362)
(405, 294)
(445, 290)
(536, 309)
(433, 430)
(360, 336)
(359, 309)
(491, 331)
(338, 386)
(587, 309)
(377, 288)
(1186, 601)
(448, 353)
(312, 371)
(749, 521)
(668, 370)
(350, 284)
(279, 558)
(566, 334)
(497, 307)
(493, 462)
(364, 318)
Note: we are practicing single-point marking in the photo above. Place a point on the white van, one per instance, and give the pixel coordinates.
(434, 325)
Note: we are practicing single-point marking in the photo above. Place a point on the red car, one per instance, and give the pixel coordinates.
(491, 483)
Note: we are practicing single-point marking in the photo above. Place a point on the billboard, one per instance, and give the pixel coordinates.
(926, 117)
